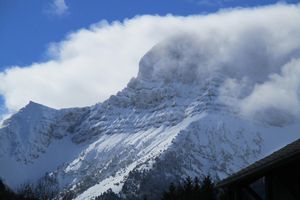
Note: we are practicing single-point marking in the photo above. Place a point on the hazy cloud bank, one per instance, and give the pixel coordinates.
(258, 49)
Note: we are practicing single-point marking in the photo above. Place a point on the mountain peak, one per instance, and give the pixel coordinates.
(177, 59)
(34, 104)
(32, 108)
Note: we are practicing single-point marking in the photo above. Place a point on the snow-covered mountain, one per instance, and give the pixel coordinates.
(168, 123)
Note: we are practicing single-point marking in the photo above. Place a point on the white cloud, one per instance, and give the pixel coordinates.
(280, 93)
(254, 47)
(59, 7)
(87, 67)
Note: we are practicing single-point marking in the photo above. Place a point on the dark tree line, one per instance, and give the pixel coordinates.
(189, 189)
(8, 194)
(108, 195)
(195, 190)
(44, 189)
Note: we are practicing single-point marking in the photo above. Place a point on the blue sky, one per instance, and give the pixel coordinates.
(28, 27)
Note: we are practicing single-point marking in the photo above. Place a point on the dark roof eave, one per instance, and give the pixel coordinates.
(263, 166)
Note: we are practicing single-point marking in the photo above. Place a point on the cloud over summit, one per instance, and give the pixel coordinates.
(258, 49)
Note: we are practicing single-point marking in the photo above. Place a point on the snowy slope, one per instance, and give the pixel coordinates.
(32, 143)
(168, 123)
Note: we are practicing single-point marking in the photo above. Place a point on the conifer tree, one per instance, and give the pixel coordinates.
(171, 194)
(208, 189)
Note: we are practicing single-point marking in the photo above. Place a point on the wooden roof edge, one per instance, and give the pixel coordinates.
(263, 164)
